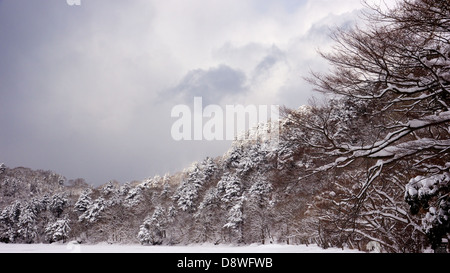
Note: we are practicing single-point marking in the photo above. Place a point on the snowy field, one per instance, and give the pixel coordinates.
(206, 248)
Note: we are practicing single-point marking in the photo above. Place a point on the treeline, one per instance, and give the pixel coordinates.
(250, 195)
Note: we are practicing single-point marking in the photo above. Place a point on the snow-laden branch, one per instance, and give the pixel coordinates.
(385, 148)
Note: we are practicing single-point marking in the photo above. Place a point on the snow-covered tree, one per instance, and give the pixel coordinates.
(235, 219)
(431, 193)
(392, 83)
(229, 188)
(188, 192)
(208, 218)
(38, 205)
(166, 190)
(153, 230)
(27, 225)
(260, 191)
(259, 207)
(45, 202)
(144, 236)
(9, 221)
(84, 201)
(233, 156)
(123, 191)
(209, 168)
(58, 230)
(246, 165)
(57, 204)
(134, 196)
(109, 188)
(94, 211)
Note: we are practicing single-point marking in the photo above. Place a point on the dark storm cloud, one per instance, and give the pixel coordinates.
(212, 85)
(271, 59)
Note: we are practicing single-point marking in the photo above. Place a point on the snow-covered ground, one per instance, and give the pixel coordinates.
(205, 248)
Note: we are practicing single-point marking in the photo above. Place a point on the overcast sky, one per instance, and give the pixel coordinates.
(87, 91)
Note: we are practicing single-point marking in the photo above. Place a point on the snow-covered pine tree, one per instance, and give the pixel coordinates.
(84, 201)
(144, 236)
(209, 168)
(94, 211)
(27, 229)
(134, 196)
(229, 188)
(246, 164)
(259, 209)
(230, 191)
(153, 230)
(38, 205)
(188, 192)
(208, 218)
(9, 222)
(431, 193)
(58, 230)
(123, 191)
(260, 190)
(166, 190)
(233, 156)
(58, 203)
(397, 67)
(109, 188)
(235, 219)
